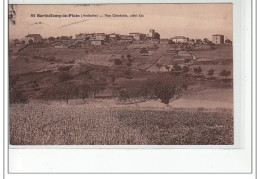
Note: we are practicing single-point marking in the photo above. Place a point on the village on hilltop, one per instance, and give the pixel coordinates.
(99, 39)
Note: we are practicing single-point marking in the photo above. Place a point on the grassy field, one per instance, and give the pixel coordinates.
(39, 124)
(221, 52)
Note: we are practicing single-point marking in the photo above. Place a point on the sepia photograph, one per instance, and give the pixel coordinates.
(120, 74)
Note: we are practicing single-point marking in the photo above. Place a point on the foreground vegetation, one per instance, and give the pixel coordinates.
(39, 124)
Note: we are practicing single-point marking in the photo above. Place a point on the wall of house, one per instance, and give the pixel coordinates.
(96, 42)
(179, 40)
(217, 39)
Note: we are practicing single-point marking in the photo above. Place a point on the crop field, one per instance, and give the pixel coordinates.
(40, 124)
(221, 52)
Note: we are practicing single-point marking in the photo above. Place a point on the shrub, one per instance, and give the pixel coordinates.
(211, 72)
(144, 51)
(225, 73)
(185, 69)
(118, 62)
(197, 70)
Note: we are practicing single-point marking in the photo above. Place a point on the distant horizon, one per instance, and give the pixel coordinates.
(73, 36)
(195, 21)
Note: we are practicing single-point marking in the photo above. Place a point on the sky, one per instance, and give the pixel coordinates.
(190, 20)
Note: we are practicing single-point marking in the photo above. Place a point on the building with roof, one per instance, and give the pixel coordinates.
(101, 36)
(96, 42)
(218, 39)
(179, 39)
(33, 38)
(138, 36)
(114, 37)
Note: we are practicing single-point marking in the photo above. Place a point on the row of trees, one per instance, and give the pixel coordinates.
(68, 90)
(207, 41)
(177, 70)
(165, 89)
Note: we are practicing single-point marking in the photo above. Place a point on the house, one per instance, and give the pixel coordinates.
(127, 37)
(101, 36)
(138, 36)
(179, 39)
(114, 37)
(33, 38)
(217, 39)
(151, 33)
(96, 42)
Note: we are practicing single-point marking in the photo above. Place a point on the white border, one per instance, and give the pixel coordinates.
(157, 160)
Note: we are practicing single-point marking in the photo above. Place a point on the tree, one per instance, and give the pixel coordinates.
(30, 41)
(198, 41)
(167, 91)
(225, 73)
(228, 41)
(134, 93)
(158, 65)
(197, 70)
(66, 91)
(167, 67)
(113, 79)
(187, 60)
(51, 38)
(144, 51)
(130, 60)
(156, 35)
(206, 41)
(96, 87)
(117, 62)
(12, 81)
(83, 91)
(128, 56)
(211, 72)
(124, 95)
(17, 96)
(186, 69)
(176, 69)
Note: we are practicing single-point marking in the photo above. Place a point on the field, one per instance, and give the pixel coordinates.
(113, 95)
(87, 125)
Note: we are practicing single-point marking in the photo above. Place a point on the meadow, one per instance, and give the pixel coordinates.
(41, 124)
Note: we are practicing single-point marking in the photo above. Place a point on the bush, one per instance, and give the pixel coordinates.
(118, 62)
(211, 72)
(144, 51)
(197, 70)
(225, 73)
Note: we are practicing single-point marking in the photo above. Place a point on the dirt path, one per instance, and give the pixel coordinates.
(157, 56)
